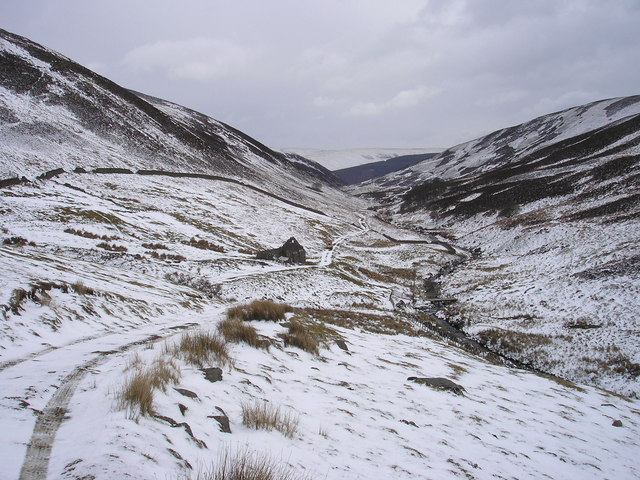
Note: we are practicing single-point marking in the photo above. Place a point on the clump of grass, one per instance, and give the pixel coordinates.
(81, 289)
(168, 256)
(301, 337)
(136, 395)
(263, 416)
(85, 234)
(17, 242)
(14, 305)
(248, 465)
(112, 247)
(201, 348)
(236, 331)
(155, 246)
(205, 245)
(259, 310)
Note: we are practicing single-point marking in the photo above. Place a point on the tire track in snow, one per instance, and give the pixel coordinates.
(36, 460)
(31, 356)
(327, 256)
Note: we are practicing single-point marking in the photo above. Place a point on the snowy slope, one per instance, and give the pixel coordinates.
(57, 114)
(552, 205)
(512, 144)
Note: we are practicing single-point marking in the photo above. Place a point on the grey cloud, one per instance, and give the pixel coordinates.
(342, 73)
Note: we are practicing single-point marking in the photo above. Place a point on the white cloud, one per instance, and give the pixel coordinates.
(199, 58)
(322, 101)
(403, 99)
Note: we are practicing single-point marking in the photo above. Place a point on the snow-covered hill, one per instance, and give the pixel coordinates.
(553, 206)
(57, 114)
(568, 131)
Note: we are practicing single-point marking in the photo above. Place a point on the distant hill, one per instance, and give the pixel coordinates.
(337, 159)
(362, 173)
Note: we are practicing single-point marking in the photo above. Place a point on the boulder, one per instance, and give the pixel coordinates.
(223, 420)
(290, 252)
(213, 374)
(439, 384)
(187, 393)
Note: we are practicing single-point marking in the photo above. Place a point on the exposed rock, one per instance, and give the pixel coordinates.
(223, 420)
(184, 425)
(290, 252)
(409, 422)
(439, 384)
(342, 345)
(213, 374)
(183, 408)
(187, 393)
(617, 423)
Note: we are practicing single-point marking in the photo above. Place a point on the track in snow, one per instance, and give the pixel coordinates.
(36, 461)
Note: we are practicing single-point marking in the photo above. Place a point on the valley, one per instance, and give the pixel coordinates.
(142, 337)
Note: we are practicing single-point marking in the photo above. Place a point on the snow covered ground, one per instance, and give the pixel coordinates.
(561, 296)
(68, 350)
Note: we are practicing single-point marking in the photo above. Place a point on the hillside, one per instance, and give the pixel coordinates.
(57, 114)
(552, 205)
(141, 337)
(367, 171)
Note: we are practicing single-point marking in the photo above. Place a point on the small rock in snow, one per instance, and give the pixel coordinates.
(213, 374)
(187, 393)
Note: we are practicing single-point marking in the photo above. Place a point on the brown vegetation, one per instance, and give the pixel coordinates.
(112, 247)
(85, 234)
(168, 256)
(264, 416)
(155, 246)
(236, 331)
(301, 337)
(205, 245)
(246, 465)
(136, 395)
(201, 348)
(259, 310)
(385, 324)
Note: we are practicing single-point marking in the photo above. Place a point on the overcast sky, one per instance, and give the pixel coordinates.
(351, 73)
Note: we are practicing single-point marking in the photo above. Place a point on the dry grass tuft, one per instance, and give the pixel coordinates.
(263, 416)
(112, 247)
(247, 465)
(301, 337)
(136, 395)
(201, 348)
(259, 310)
(235, 331)
(81, 289)
(205, 245)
